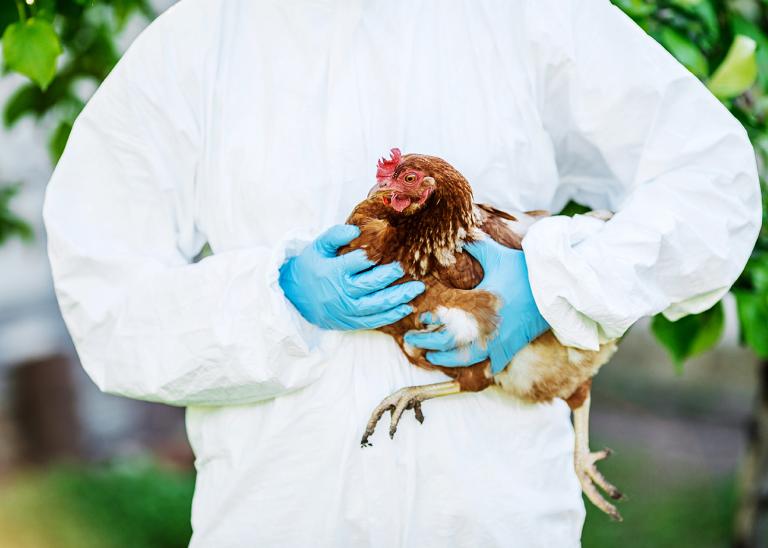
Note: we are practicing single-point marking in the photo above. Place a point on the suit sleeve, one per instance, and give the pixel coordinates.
(634, 131)
(120, 213)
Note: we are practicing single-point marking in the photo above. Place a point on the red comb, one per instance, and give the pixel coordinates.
(386, 168)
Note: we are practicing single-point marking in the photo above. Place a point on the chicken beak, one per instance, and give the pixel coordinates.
(374, 189)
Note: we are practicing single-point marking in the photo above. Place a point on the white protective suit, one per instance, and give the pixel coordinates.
(254, 125)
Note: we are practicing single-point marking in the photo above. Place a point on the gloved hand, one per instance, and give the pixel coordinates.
(340, 292)
(506, 275)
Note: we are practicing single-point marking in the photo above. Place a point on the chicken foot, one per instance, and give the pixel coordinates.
(584, 461)
(404, 399)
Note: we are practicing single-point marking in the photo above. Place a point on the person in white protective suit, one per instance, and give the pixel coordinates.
(256, 125)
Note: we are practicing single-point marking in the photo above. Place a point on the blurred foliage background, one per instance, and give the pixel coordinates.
(65, 48)
(725, 44)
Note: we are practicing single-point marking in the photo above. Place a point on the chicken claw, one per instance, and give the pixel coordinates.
(590, 478)
(404, 399)
(584, 461)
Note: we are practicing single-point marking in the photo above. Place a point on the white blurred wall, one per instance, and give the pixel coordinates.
(30, 326)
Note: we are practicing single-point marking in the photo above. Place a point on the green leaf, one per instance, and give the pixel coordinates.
(690, 335)
(98, 56)
(635, 8)
(46, 9)
(573, 208)
(31, 100)
(757, 273)
(686, 3)
(31, 48)
(685, 51)
(10, 224)
(748, 28)
(753, 317)
(206, 251)
(706, 13)
(8, 14)
(23, 101)
(738, 71)
(59, 139)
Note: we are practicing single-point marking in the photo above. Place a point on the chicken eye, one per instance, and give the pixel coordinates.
(410, 178)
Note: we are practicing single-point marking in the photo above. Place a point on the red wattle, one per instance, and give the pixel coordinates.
(400, 202)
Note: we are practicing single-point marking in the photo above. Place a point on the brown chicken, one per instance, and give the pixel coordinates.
(421, 213)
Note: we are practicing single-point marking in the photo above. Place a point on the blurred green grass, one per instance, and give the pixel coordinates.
(665, 508)
(140, 504)
(135, 504)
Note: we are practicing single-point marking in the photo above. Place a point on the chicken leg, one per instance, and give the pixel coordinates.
(406, 398)
(584, 462)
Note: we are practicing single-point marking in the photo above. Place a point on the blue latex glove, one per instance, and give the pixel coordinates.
(335, 292)
(506, 275)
